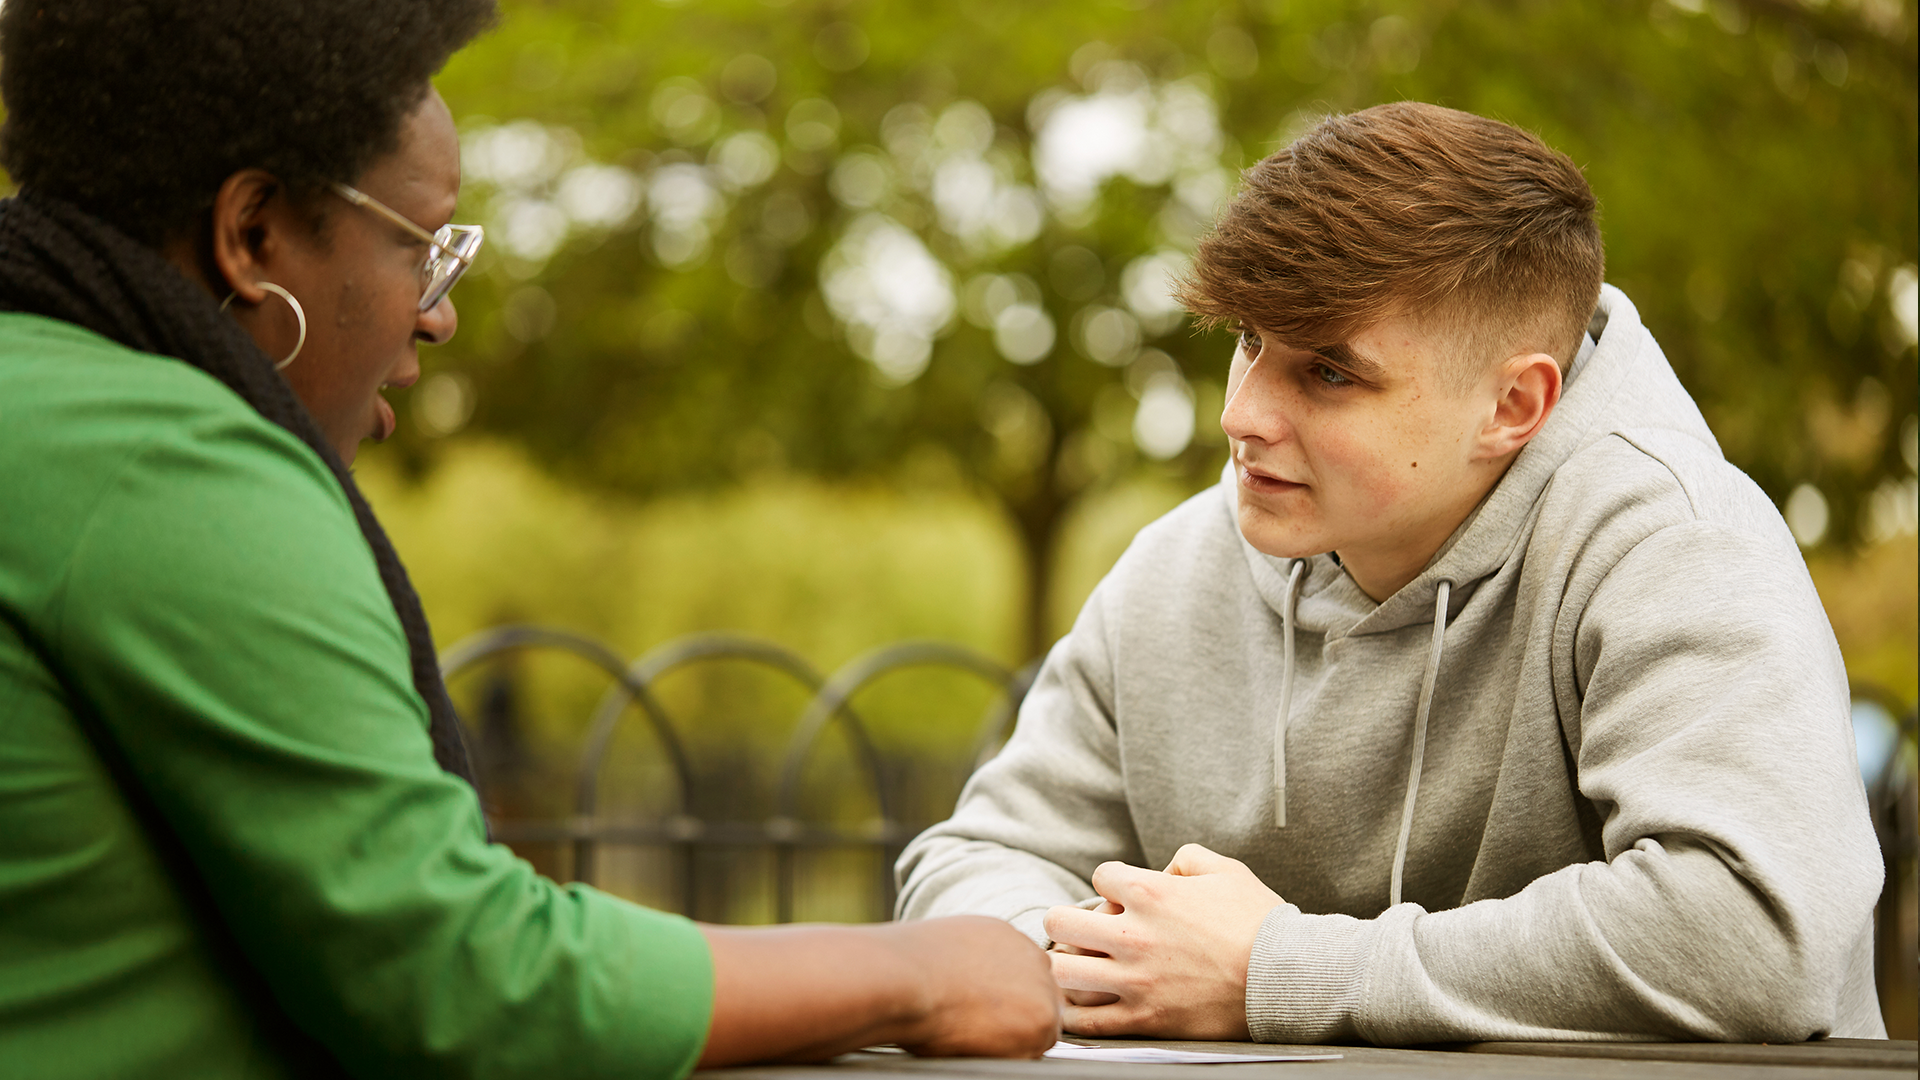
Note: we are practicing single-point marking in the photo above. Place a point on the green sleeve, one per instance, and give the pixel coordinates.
(222, 614)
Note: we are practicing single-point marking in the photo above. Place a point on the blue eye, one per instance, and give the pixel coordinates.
(1330, 376)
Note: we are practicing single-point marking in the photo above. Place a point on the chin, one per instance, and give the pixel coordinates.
(1281, 539)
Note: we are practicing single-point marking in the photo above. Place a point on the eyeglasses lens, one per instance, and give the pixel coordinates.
(454, 251)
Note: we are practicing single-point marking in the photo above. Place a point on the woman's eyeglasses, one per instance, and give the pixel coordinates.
(449, 251)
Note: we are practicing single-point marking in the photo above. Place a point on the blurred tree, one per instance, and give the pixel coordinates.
(930, 243)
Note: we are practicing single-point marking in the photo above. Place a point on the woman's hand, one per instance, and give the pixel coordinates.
(958, 986)
(991, 992)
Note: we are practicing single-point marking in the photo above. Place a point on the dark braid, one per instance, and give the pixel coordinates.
(63, 263)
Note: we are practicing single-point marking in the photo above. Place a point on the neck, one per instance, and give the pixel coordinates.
(193, 263)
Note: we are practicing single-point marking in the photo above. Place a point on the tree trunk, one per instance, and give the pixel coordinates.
(1038, 518)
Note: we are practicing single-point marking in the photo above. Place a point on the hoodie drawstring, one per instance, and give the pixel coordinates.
(1419, 736)
(1286, 697)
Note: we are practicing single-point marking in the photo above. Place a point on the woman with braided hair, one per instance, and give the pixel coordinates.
(238, 833)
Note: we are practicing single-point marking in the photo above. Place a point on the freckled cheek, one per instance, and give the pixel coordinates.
(1365, 470)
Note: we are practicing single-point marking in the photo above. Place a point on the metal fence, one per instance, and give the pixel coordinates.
(786, 832)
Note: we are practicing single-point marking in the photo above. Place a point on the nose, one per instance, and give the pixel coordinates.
(1256, 406)
(436, 325)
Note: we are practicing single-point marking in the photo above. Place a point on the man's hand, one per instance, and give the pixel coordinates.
(1170, 959)
(1087, 997)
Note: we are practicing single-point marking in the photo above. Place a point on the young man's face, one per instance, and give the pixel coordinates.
(1370, 449)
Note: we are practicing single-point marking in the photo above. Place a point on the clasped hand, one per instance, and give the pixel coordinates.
(1166, 954)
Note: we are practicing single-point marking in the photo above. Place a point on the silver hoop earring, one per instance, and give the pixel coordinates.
(298, 313)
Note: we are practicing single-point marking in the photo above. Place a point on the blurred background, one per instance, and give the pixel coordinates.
(844, 322)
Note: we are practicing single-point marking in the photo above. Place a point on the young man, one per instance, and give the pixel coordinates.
(1506, 703)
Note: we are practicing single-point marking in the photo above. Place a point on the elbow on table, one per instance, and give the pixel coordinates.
(1786, 1018)
(1748, 959)
(944, 874)
(913, 872)
(1779, 995)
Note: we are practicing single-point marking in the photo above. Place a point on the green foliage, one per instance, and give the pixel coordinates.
(1755, 164)
(490, 539)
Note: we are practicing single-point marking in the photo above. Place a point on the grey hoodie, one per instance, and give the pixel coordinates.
(1590, 775)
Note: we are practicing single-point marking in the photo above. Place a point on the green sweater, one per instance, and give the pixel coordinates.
(197, 574)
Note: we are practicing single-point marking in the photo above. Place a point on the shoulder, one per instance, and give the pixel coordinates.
(57, 358)
(1182, 586)
(78, 406)
(68, 384)
(1195, 547)
(97, 439)
(1657, 538)
(1636, 483)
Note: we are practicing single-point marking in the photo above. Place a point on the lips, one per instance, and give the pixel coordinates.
(384, 422)
(1253, 478)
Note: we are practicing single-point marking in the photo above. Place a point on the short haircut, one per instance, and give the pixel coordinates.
(1414, 210)
(138, 110)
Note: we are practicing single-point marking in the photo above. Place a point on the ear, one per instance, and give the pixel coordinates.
(250, 219)
(1528, 387)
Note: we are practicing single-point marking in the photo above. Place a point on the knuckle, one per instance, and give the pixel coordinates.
(1151, 1016)
(1082, 1021)
(1109, 1020)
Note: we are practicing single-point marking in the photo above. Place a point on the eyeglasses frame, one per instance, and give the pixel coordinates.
(432, 296)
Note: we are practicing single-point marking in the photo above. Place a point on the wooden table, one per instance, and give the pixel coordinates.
(1856, 1059)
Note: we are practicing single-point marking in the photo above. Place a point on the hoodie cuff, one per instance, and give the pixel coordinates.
(1304, 977)
(1032, 922)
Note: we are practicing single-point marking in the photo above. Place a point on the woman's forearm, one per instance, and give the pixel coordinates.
(963, 986)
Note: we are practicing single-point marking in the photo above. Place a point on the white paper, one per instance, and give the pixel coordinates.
(1154, 1055)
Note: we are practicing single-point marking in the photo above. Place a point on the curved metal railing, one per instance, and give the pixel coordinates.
(503, 639)
(684, 830)
(830, 701)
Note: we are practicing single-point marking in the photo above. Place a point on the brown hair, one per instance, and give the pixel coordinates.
(1407, 209)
